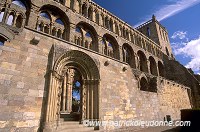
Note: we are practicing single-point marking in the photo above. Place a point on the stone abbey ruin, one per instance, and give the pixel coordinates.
(72, 60)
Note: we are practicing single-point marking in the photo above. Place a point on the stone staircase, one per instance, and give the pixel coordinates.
(70, 123)
(73, 126)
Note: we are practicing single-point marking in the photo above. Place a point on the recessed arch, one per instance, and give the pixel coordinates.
(25, 5)
(88, 35)
(143, 84)
(161, 69)
(113, 51)
(153, 66)
(89, 77)
(19, 21)
(84, 10)
(62, 21)
(128, 55)
(90, 13)
(96, 16)
(142, 61)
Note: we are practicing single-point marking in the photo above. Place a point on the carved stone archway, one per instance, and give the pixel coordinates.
(61, 71)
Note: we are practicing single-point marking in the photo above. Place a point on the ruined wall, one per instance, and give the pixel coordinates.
(23, 87)
(24, 72)
(177, 72)
(173, 97)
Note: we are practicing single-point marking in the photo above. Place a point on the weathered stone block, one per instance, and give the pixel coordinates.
(7, 65)
(33, 93)
(28, 115)
(20, 85)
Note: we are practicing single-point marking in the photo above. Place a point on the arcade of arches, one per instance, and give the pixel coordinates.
(71, 60)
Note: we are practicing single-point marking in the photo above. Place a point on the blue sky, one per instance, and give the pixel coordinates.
(180, 17)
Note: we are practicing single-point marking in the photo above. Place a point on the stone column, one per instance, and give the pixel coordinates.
(96, 102)
(100, 20)
(64, 94)
(87, 99)
(158, 73)
(14, 21)
(83, 38)
(114, 30)
(5, 15)
(54, 106)
(49, 101)
(120, 53)
(52, 103)
(95, 89)
(100, 39)
(91, 98)
(83, 101)
(69, 91)
(136, 62)
(148, 66)
(51, 27)
(72, 32)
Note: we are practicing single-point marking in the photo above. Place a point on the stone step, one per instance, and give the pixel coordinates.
(83, 129)
(70, 117)
(73, 126)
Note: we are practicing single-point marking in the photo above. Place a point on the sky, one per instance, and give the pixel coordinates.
(180, 17)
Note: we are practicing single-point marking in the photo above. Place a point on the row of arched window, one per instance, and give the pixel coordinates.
(57, 24)
(108, 46)
(92, 13)
(12, 17)
(86, 36)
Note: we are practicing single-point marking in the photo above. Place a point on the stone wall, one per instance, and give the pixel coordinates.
(23, 87)
(173, 97)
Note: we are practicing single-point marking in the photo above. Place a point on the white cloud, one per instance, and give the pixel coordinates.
(190, 49)
(179, 34)
(171, 9)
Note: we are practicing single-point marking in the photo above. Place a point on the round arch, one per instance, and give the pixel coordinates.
(56, 13)
(89, 36)
(142, 61)
(111, 46)
(153, 66)
(62, 70)
(79, 58)
(128, 55)
(144, 84)
(26, 5)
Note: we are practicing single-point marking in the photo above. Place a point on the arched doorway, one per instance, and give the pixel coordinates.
(73, 90)
(70, 107)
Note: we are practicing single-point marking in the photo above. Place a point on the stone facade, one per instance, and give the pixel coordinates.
(124, 74)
